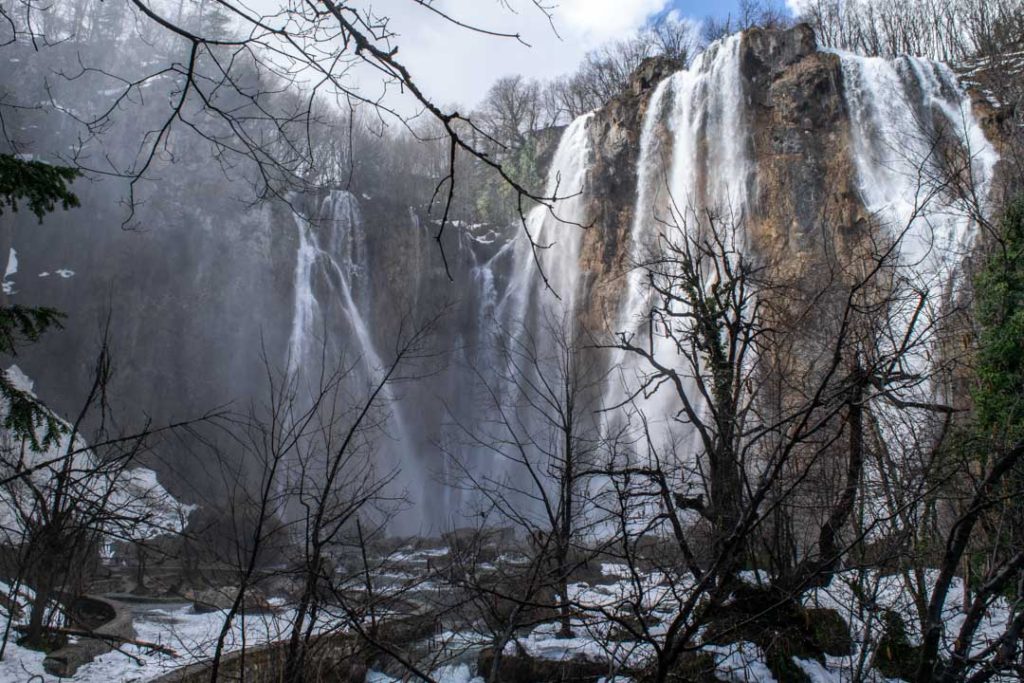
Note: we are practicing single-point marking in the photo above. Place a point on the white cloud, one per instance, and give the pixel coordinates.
(454, 65)
(604, 19)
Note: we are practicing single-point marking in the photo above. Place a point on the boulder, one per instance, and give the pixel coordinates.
(93, 613)
(895, 657)
(522, 668)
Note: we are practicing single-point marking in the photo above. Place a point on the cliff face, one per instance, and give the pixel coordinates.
(805, 181)
(615, 141)
(806, 184)
(805, 201)
(812, 154)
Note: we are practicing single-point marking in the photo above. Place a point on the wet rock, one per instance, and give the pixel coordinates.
(776, 50)
(522, 668)
(895, 657)
(92, 613)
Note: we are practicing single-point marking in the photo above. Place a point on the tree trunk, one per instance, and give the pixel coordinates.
(37, 616)
(140, 569)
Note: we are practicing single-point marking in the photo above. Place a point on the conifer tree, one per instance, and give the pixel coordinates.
(42, 188)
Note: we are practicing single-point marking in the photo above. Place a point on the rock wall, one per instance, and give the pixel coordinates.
(805, 205)
(204, 293)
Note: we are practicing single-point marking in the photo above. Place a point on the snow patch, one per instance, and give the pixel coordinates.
(12, 268)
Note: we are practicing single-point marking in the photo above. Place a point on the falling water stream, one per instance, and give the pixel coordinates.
(695, 158)
(899, 109)
(548, 275)
(906, 115)
(331, 268)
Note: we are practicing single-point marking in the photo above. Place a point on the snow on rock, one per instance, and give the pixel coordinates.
(740, 663)
(11, 269)
(144, 508)
(616, 569)
(587, 643)
(653, 592)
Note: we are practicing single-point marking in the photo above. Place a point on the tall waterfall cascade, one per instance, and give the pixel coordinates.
(331, 255)
(331, 325)
(537, 303)
(546, 268)
(893, 106)
(695, 157)
(901, 111)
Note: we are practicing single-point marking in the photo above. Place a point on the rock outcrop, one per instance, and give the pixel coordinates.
(199, 298)
(110, 620)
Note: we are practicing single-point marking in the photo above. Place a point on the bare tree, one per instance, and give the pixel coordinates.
(783, 414)
(544, 439)
(510, 111)
(768, 14)
(941, 29)
(64, 501)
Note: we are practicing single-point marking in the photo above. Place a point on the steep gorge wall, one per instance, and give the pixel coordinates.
(197, 290)
(805, 195)
(804, 204)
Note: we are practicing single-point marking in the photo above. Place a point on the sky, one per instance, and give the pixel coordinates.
(455, 67)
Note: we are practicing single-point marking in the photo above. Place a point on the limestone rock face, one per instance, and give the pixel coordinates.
(805, 196)
(804, 203)
(615, 137)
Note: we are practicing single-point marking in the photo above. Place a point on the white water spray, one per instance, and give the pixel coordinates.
(904, 114)
(703, 164)
(558, 232)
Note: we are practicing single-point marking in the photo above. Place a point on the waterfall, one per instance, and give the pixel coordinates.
(518, 291)
(893, 106)
(332, 303)
(331, 258)
(694, 157)
(904, 113)
(558, 231)
(483, 280)
(711, 166)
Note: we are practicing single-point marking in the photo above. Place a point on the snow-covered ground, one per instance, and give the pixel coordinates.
(126, 501)
(176, 626)
(193, 635)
